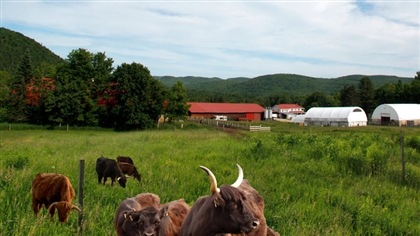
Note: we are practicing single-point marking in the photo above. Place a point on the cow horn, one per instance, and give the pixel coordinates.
(240, 177)
(52, 205)
(74, 207)
(213, 181)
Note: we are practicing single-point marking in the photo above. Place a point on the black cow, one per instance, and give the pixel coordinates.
(225, 211)
(132, 219)
(138, 216)
(106, 167)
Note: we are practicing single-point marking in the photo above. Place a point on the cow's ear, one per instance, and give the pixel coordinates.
(164, 212)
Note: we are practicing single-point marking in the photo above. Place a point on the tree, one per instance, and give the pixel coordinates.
(5, 79)
(366, 94)
(139, 97)
(74, 99)
(18, 108)
(318, 99)
(412, 90)
(349, 96)
(176, 104)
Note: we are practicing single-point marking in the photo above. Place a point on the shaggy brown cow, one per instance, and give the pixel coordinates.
(125, 159)
(138, 216)
(172, 216)
(55, 192)
(106, 167)
(129, 170)
(225, 211)
(257, 205)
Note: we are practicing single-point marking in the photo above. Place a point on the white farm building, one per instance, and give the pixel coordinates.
(336, 116)
(397, 114)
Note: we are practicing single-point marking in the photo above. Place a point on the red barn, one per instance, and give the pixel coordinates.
(233, 111)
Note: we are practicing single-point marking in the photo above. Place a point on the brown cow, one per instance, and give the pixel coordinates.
(125, 159)
(129, 170)
(225, 211)
(172, 216)
(55, 192)
(257, 205)
(138, 216)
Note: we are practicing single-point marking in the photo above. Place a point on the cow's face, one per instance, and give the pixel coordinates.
(142, 223)
(233, 213)
(122, 181)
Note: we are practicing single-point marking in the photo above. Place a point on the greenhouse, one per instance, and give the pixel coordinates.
(336, 116)
(397, 114)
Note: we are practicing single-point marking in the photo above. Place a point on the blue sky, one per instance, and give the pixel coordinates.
(227, 39)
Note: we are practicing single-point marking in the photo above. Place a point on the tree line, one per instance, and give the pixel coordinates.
(85, 90)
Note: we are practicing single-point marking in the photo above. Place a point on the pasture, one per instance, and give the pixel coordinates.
(315, 181)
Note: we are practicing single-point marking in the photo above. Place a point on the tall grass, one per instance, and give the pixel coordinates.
(314, 181)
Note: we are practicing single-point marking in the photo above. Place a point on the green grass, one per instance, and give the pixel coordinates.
(315, 181)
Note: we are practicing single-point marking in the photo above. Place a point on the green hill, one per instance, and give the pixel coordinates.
(14, 45)
(277, 84)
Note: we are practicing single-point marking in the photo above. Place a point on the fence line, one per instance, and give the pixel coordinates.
(229, 124)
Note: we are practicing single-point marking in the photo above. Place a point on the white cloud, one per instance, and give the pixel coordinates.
(231, 39)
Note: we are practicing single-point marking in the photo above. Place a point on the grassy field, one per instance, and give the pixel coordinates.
(315, 181)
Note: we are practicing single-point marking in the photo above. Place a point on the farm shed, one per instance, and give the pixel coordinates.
(287, 111)
(233, 111)
(336, 116)
(397, 114)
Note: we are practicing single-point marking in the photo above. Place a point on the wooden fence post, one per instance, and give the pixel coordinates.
(402, 156)
(80, 193)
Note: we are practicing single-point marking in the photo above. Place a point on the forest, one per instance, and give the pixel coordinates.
(85, 89)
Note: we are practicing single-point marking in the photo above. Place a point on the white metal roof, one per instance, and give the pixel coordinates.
(298, 119)
(336, 113)
(397, 111)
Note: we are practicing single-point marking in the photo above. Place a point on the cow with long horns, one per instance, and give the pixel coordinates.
(55, 192)
(226, 210)
(256, 202)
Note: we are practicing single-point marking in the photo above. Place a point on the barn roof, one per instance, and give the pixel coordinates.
(398, 111)
(204, 107)
(288, 106)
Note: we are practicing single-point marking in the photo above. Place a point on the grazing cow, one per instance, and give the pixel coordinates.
(130, 170)
(55, 192)
(172, 216)
(125, 159)
(106, 167)
(225, 211)
(138, 216)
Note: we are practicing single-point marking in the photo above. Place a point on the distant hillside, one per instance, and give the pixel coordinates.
(14, 46)
(276, 84)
